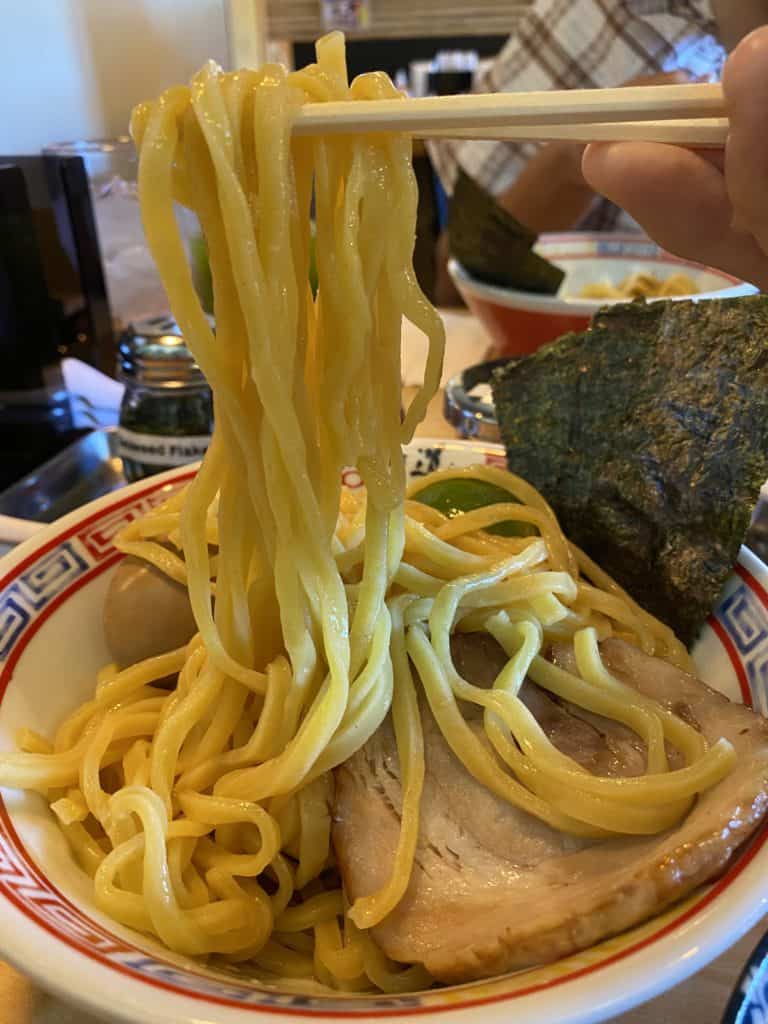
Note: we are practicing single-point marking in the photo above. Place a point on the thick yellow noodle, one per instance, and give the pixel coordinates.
(203, 812)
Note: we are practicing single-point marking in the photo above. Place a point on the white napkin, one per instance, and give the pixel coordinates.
(95, 397)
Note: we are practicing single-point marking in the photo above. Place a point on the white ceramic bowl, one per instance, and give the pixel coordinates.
(51, 645)
(519, 322)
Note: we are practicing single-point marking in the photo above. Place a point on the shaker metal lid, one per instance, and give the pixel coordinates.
(473, 414)
(153, 352)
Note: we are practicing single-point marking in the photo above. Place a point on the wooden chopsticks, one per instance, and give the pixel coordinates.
(680, 114)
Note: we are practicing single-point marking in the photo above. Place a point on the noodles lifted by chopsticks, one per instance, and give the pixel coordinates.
(203, 812)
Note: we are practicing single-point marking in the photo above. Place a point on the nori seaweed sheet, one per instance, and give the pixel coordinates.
(493, 246)
(648, 434)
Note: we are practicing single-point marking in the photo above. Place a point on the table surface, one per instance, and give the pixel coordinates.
(699, 1000)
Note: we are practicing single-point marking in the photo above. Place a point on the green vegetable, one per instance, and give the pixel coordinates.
(462, 494)
(201, 271)
(648, 435)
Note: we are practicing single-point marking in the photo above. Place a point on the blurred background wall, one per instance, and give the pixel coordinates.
(94, 60)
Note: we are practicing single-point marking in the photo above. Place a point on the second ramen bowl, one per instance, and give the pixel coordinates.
(519, 322)
(52, 590)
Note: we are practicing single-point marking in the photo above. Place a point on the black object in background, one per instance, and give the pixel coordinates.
(392, 54)
(60, 222)
(52, 304)
(90, 334)
(427, 223)
(449, 83)
(30, 321)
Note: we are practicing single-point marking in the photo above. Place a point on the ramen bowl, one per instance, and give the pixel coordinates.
(519, 322)
(52, 590)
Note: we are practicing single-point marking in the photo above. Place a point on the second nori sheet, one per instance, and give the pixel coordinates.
(495, 247)
(648, 434)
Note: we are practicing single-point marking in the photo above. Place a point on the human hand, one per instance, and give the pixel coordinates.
(566, 157)
(706, 205)
(679, 77)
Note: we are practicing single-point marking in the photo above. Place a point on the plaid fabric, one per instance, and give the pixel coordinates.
(583, 44)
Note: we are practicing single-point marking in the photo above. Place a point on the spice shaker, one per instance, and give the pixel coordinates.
(166, 415)
(468, 402)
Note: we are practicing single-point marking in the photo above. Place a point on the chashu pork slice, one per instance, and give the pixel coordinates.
(494, 889)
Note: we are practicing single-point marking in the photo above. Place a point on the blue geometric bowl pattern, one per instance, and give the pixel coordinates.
(743, 617)
(749, 1002)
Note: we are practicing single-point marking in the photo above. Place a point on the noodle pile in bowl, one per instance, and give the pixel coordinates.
(203, 811)
(642, 285)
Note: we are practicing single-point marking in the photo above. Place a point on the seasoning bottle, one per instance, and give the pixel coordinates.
(166, 415)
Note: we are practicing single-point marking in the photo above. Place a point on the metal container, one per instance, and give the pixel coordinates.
(468, 404)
